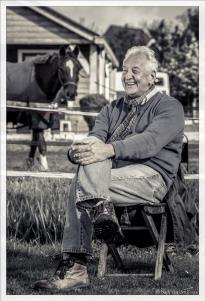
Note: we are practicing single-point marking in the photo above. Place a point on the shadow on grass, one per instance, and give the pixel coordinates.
(27, 264)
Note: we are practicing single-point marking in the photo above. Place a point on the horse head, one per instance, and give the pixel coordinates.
(57, 74)
(68, 71)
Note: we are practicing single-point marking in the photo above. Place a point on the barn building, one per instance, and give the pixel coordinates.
(39, 30)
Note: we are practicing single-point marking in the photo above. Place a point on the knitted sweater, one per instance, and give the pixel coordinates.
(155, 138)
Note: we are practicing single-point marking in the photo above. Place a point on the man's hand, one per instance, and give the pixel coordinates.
(91, 152)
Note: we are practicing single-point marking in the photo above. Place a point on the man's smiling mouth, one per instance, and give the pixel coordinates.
(130, 84)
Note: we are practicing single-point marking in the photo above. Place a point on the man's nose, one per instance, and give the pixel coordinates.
(129, 74)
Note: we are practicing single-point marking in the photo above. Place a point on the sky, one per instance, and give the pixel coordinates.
(101, 17)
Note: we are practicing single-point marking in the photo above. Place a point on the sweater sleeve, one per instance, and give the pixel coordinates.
(101, 127)
(164, 127)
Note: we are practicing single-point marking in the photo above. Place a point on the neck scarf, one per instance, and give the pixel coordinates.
(123, 130)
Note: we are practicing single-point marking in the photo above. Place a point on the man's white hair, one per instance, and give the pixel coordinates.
(149, 54)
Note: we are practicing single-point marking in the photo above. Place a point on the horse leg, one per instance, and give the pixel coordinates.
(42, 151)
(33, 147)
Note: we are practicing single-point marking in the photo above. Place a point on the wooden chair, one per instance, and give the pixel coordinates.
(148, 211)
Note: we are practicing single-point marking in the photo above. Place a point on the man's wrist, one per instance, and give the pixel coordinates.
(110, 150)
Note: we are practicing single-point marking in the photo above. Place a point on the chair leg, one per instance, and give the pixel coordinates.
(102, 260)
(155, 236)
(167, 263)
(160, 250)
(114, 252)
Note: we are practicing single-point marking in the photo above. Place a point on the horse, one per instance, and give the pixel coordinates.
(44, 78)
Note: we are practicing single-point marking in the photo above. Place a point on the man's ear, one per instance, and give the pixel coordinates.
(152, 77)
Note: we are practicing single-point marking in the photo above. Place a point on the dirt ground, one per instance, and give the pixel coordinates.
(57, 158)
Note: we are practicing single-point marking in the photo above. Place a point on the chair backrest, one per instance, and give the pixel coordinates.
(185, 151)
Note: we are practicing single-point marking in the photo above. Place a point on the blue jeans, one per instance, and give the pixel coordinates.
(97, 182)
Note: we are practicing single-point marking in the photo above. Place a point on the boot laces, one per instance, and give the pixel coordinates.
(106, 208)
(63, 266)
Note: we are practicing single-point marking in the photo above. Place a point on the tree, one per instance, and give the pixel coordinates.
(177, 51)
(120, 38)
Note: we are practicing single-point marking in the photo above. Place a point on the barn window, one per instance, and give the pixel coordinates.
(26, 54)
(65, 126)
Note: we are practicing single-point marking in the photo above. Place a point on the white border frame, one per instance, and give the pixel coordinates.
(201, 5)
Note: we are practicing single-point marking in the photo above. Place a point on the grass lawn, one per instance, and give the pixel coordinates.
(27, 263)
(36, 210)
(58, 162)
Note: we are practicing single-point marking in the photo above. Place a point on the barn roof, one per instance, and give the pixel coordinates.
(57, 16)
(32, 25)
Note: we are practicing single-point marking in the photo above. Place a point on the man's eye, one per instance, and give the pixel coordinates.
(136, 71)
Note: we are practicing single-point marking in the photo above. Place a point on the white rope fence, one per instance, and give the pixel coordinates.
(50, 110)
(64, 111)
(65, 175)
(60, 175)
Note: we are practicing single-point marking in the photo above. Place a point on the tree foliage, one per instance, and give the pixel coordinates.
(176, 46)
(120, 38)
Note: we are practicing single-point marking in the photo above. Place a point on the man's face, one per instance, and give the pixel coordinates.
(137, 75)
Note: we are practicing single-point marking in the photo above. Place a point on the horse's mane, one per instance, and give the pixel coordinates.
(50, 57)
(43, 59)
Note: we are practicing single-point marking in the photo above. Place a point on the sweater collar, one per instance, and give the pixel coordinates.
(152, 93)
(141, 100)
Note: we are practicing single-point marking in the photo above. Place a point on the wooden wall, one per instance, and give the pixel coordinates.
(25, 26)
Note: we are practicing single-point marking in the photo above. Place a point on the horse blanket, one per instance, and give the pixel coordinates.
(22, 86)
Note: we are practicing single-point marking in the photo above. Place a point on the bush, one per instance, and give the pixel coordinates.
(92, 103)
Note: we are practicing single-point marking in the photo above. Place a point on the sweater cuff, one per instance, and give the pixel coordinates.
(69, 158)
(116, 146)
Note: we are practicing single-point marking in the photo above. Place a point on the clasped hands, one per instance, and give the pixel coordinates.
(90, 152)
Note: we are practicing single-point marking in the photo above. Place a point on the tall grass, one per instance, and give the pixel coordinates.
(36, 208)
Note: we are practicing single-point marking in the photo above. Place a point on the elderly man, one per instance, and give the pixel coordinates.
(130, 157)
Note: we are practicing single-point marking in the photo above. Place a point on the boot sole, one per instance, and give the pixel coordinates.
(62, 289)
(108, 230)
